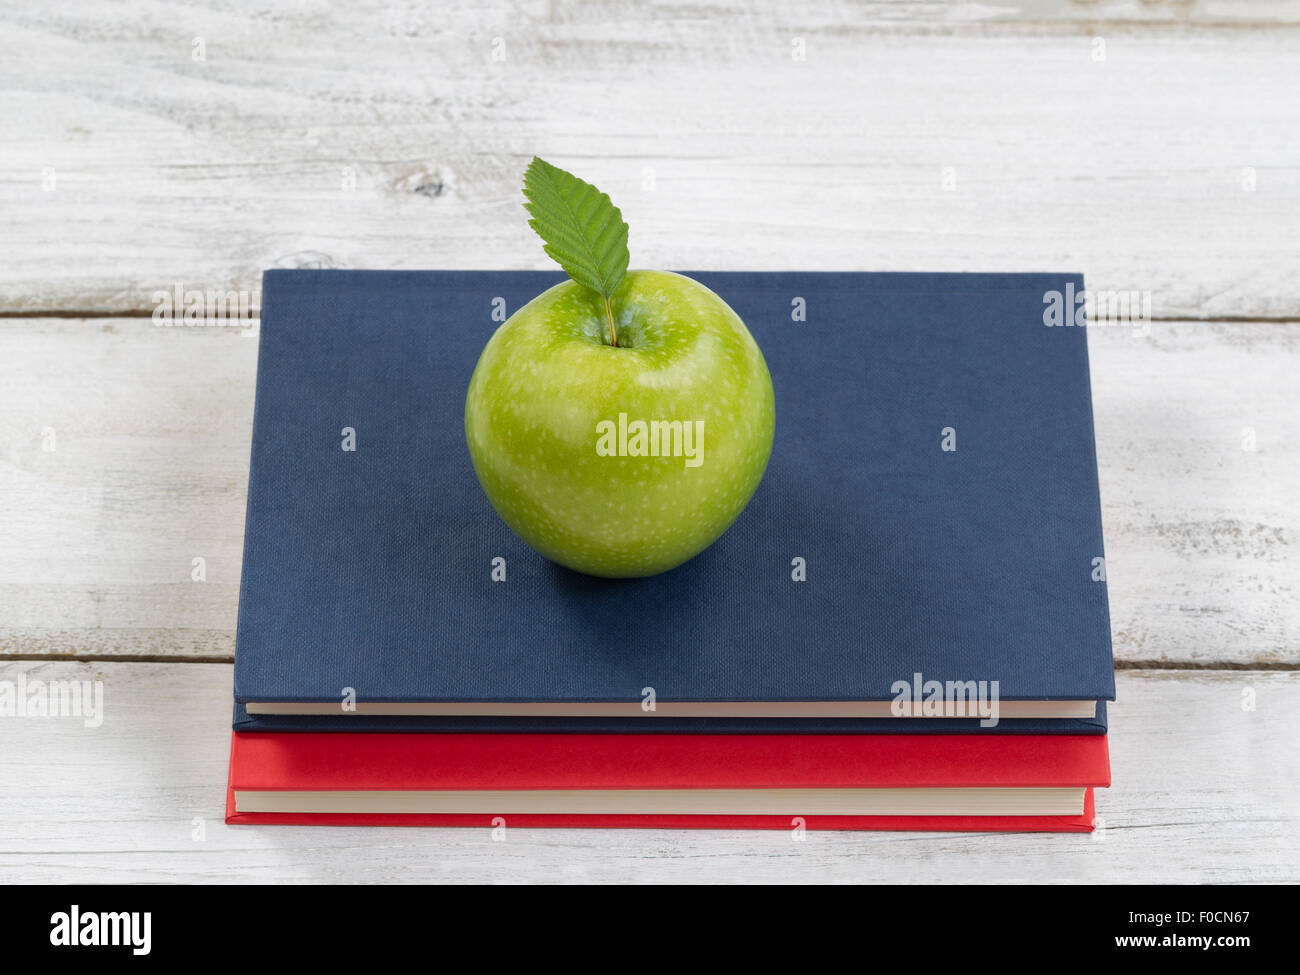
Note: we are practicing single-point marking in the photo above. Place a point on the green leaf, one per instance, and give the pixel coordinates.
(582, 230)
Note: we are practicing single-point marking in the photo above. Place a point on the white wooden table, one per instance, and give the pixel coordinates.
(1155, 146)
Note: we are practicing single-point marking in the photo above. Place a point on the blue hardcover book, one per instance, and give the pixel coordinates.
(924, 553)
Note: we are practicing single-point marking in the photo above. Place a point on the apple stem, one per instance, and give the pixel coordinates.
(613, 332)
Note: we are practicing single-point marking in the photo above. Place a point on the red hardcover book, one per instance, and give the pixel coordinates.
(885, 782)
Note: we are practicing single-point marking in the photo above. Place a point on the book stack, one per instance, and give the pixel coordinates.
(907, 628)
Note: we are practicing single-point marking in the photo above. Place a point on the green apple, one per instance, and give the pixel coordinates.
(622, 459)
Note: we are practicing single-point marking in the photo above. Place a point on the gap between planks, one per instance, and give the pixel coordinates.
(1262, 666)
(255, 314)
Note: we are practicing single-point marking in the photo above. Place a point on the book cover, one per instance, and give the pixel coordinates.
(413, 762)
(243, 721)
(933, 478)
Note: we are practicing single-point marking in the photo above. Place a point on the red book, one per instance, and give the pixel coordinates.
(913, 782)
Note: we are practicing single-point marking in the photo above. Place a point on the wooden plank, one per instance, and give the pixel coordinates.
(912, 136)
(1197, 435)
(1204, 791)
(150, 428)
(127, 458)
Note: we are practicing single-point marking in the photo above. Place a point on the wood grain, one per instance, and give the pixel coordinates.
(912, 136)
(122, 802)
(151, 430)
(1197, 434)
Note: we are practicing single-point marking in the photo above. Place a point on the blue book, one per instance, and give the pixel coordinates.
(924, 553)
